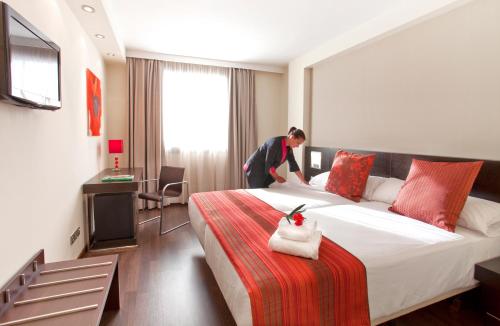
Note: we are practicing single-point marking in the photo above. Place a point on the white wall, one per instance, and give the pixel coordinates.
(47, 156)
(117, 108)
(271, 107)
(430, 89)
(401, 17)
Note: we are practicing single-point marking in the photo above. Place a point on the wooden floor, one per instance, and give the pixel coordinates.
(166, 281)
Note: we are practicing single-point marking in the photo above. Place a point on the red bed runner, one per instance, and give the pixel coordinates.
(284, 289)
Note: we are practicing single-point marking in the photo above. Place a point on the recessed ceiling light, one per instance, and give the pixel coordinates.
(99, 36)
(88, 9)
(110, 54)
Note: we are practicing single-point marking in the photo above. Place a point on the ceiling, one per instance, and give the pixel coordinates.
(269, 32)
(99, 22)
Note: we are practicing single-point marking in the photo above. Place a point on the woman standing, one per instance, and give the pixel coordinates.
(260, 168)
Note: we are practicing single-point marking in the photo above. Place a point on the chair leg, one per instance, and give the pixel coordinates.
(149, 220)
(174, 228)
(161, 215)
(161, 223)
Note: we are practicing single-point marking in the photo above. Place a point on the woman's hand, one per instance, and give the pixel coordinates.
(301, 178)
(277, 177)
(280, 179)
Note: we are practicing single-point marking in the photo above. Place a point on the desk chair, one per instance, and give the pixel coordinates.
(169, 185)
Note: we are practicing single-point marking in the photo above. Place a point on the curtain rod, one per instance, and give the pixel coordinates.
(201, 61)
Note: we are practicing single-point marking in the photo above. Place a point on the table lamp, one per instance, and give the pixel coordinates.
(115, 146)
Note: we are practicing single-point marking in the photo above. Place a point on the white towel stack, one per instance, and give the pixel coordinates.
(295, 240)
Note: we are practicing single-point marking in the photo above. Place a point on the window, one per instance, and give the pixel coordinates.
(195, 108)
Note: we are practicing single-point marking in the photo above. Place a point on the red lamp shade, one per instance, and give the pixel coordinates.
(115, 146)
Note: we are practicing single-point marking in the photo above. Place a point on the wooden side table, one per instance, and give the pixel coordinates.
(488, 274)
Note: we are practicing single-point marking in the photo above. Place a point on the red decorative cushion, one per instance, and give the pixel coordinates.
(349, 174)
(435, 192)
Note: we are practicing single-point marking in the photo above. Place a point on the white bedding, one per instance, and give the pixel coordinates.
(284, 197)
(287, 196)
(407, 261)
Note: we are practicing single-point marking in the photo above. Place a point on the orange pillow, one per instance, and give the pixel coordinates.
(349, 174)
(435, 192)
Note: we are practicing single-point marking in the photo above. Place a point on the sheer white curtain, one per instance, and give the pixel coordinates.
(195, 123)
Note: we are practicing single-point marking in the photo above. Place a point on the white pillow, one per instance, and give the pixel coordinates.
(371, 185)
(320, 179)
(388, 190)
(481, 215)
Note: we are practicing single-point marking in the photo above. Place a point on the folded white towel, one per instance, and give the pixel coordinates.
(309, 249)
(297, 233)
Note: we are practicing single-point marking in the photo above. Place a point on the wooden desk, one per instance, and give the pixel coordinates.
(96, 186)
(73, 292)
(111, 198)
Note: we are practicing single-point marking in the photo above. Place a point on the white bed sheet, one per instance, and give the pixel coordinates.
(284, 197)
(407, 261)
(287, 196)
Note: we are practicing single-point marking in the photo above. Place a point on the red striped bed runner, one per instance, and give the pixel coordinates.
(284, 289)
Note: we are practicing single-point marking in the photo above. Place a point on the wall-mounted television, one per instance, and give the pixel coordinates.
(30, 64)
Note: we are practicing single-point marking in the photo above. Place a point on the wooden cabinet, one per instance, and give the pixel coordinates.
(488, 274)
(112, 210)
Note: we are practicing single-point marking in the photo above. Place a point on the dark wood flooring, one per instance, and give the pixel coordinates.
(166, 281)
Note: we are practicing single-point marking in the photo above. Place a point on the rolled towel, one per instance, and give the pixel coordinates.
(309, 249)
(297, 233)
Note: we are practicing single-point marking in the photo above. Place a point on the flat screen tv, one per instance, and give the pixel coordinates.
(30, 64)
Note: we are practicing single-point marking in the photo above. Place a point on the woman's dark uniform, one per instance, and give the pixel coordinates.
(267, 158)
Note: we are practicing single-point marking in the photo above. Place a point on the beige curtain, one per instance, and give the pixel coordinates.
(145, 98)
(242, 126)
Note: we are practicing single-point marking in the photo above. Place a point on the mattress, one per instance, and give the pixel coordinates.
(407, 261)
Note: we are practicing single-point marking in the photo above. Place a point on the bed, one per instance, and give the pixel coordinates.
(283, 198)
(400, 254)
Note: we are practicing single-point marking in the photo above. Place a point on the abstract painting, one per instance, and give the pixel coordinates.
(94, 104)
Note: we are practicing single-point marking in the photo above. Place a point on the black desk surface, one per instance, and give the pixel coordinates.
(96, 186)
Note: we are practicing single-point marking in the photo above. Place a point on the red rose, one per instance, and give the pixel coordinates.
(298, 218)
(296, 215)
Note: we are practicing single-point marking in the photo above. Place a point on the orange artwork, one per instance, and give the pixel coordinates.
(94, 106)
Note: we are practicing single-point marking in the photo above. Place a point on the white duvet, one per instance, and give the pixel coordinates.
(287, 196)
(407, 261)
(283, 197)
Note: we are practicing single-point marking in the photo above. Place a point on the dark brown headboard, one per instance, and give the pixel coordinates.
(397, 165)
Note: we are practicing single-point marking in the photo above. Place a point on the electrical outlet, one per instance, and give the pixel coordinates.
(74, 236)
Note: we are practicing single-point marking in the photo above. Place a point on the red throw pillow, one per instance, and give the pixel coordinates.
(349, 174)
(435, 192)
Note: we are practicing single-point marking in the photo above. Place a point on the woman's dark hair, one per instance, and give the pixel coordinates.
(297, 133)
